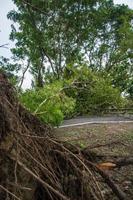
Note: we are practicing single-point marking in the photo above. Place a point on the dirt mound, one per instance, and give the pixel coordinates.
(35, 165)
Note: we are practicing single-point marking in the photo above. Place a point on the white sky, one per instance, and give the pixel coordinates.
(5, 25)
(127, 2)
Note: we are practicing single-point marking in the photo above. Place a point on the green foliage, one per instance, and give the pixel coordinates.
(56, 38)
(57, 33)
(9, 69)
(103, 96)
(50, 103)
(85, 92)
(93, 93)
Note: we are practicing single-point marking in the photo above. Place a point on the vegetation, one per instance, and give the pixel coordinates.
(79, 53)
(50, 103)
(80, 56)
(93, 92)
(83, 93)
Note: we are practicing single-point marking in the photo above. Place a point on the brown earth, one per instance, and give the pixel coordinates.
(110, 142)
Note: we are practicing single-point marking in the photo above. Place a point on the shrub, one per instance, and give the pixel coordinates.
(50, 103)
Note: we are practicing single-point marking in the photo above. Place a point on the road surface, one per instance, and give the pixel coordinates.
(79, 121)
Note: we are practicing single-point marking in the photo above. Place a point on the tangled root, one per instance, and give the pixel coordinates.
(36, 165)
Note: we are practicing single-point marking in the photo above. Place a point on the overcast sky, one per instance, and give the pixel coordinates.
(5, 24)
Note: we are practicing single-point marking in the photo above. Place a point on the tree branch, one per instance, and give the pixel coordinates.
(24, 72)
(4, 46)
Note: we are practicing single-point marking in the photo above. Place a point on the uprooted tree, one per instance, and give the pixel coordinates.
(36, 165)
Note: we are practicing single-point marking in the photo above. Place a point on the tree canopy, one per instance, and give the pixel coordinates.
(53, 34)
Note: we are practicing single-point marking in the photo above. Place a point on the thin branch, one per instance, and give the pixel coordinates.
(34, 7)
(4, 46)
(6, 190)
(49, 59)
(19, 186)
(24, 72)
(103, 145)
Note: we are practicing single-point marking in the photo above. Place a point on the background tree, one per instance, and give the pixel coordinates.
(54, 34)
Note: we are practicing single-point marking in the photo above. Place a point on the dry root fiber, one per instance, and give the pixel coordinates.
(35, 165)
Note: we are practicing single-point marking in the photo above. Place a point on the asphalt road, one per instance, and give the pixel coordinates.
(78, 121)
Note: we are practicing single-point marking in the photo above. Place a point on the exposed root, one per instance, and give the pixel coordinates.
(35, 165)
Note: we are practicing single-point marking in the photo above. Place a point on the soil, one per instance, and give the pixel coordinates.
(119, 138)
